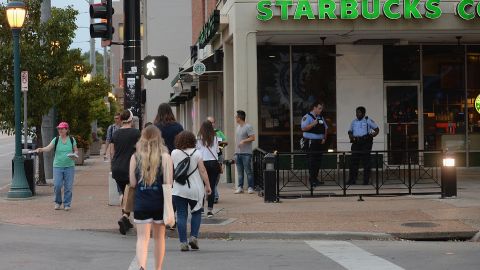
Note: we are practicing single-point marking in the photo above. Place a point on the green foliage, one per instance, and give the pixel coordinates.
(98, 59)
(83, 105)
(45, 54)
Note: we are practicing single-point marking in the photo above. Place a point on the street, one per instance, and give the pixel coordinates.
(23, 247)
(7, 150)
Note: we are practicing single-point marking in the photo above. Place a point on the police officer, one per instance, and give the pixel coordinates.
(314, 130)
(361, 133)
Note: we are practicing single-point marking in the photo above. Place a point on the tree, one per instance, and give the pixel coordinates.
(98, 59)
(53, 68)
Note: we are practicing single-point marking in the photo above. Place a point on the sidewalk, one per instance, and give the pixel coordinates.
(247, 216)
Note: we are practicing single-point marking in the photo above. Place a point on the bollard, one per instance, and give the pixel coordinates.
(449, 178)
(228, 170)
(270, 178)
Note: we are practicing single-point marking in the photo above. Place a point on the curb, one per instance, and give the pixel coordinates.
(319, 235)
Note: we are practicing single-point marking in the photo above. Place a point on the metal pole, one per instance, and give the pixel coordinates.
(132, 58)
(19, 187)
(25, 127)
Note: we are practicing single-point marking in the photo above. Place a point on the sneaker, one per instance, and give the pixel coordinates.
(193, 242)
(250, 190)
(67, 208)
(216, 200)
(184, 247)
(209, 214)
(122, 226)
(57, 206)
(238, 190)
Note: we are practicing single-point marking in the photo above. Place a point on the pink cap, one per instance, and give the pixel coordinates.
(63, 125)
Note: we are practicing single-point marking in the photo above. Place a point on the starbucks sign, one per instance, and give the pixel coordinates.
(367, 9)
(477, 103)
(199, 68)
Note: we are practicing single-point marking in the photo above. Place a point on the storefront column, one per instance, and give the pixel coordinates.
(228, 100)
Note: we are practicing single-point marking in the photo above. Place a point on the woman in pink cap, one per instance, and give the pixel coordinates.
(65, 149)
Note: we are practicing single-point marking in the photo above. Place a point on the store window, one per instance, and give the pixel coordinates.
(444, 98)
(274, 98)
(311, 71)
(313, 77)
(473, 103)
(401, 63)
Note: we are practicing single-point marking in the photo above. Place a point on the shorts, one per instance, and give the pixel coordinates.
(121, 186)
(146, 217)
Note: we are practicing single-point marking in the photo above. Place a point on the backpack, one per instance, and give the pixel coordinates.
(180, 174)
(56, 142)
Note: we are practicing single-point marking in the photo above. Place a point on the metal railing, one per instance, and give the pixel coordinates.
(392, 173)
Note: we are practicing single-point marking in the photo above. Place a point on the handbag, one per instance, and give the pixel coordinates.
(128, 201)
(168, 213)
(219, 165)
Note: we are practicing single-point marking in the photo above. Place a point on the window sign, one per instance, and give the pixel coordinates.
(368, 9)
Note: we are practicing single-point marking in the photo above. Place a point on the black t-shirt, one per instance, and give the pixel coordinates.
(124, 140)
(169, 131)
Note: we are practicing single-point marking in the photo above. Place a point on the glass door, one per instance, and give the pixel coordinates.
(402, 120)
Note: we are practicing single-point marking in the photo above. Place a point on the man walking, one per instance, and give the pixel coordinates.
(110, 130)
(314, 129)
(243, 151)
(361, 133)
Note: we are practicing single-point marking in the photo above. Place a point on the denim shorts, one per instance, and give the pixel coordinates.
(145, 217)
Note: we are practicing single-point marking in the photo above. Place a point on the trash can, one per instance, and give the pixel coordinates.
(228, 170)
(270, 178)
(28, 164)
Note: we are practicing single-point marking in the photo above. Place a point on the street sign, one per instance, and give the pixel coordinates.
(199, 68)
(24, 81)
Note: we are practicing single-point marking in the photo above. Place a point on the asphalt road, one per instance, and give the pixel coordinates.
(7, 150)
(34, 249)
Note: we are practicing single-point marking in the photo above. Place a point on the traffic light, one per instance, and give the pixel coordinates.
(102, 11)
(155, 67)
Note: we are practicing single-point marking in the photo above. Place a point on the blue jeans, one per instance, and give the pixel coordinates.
(182, 205)
(63, 177)
(244, 163)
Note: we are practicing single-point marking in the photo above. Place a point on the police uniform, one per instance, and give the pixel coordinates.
(361, 148)
(312, 141)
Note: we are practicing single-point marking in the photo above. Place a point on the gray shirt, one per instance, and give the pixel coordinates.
(242, 133)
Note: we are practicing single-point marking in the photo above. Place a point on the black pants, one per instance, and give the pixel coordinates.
(314, 149)
(212, 171)
(360, 151)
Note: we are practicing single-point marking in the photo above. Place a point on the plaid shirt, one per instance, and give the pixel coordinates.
(111, 129)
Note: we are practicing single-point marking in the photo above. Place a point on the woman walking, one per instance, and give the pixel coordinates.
(207, 144)
(191, 194)
(150, 167)
(169, 127)
(123, 147)
(65, 149)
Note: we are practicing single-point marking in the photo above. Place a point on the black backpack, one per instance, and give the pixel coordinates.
(180, 174)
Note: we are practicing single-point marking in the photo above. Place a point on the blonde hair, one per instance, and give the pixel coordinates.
(149, 152)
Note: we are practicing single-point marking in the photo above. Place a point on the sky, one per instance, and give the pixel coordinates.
(82, 35)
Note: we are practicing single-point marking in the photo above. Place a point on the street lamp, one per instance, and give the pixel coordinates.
(16, 12)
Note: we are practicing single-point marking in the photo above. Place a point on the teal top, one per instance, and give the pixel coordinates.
(63, 149)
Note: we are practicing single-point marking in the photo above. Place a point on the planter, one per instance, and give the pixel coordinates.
(95, 148)
(81, 157)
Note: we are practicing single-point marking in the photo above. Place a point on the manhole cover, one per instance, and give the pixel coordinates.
(217, 221)
(420, 224)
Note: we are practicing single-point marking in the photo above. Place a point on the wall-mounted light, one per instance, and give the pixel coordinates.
(449, 162)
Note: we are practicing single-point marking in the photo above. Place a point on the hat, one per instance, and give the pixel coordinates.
(63, 125)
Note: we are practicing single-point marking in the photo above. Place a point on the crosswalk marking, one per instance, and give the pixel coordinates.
(351, 257)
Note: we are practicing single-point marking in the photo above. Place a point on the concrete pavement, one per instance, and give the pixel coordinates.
(247, 216)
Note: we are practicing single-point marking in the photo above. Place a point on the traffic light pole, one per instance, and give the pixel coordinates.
(132, 58)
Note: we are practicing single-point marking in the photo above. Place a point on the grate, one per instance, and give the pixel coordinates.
(420, 224)
(217, 221)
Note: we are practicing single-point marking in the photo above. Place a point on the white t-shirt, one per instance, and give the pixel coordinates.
(196, 191)
(207, 154)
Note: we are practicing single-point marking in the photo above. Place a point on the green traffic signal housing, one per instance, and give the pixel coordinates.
(102, 11)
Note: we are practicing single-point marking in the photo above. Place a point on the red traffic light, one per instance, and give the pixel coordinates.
(102, 11)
